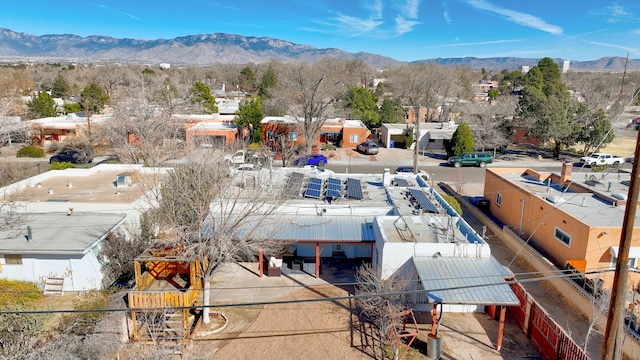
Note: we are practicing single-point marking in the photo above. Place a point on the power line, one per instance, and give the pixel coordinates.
(284, 302)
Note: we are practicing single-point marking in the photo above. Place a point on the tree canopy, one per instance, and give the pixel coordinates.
(248, 116)
(391, 111)
(362, 104)
(462, 140)
(93, 98)
(546, 107)
(41, 105)
(201, 95)
(61, 87)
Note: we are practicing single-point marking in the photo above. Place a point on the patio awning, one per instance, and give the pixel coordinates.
(464, 280)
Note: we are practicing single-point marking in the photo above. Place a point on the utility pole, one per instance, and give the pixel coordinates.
(613, 332)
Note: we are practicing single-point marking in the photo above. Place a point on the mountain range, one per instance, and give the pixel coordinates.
(207, 49)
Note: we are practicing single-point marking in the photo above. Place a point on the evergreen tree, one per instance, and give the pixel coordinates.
(249, 115)
(462, 140)
(247, 80)
(546, 109)
(41, 105)
(93, 98)
(392, 111)
(362, 103)
(269, 80)
(201, 94)
(408, 137)
(61, 87)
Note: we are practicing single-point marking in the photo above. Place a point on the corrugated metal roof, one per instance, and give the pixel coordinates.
(323, 228)
(468, 280)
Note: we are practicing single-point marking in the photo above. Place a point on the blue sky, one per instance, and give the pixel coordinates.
(405, 30)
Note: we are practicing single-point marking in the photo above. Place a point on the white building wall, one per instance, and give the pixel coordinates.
(78, 274)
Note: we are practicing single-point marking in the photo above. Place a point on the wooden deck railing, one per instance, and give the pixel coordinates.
(141, 299)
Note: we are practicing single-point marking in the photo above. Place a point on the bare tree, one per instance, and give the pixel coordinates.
(143, 129)
(424, 86)
(310, 91)
(379, 300)
(217, 221)
(487, 121)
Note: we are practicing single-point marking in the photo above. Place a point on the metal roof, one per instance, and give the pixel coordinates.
(59, 233)
(464, 280)
(300, 228)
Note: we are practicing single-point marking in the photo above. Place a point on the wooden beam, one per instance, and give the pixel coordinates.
(503, 311)
(434, 319)
(260, 265)
(317, 259)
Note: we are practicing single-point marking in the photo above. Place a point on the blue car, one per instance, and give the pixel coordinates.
(312, 159)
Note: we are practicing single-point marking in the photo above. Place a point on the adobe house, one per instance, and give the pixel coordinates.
(337, 131)
(575, 220)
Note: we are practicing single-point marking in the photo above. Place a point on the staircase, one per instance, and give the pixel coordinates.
(53, 286)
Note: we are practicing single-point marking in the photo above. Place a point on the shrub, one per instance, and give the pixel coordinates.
(328, 147)
(54, 147)
(31, 152)
(453, 202)
(61, 166)
(18, 293)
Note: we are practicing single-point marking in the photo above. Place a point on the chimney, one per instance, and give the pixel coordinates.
(386, 177)
(565, 175)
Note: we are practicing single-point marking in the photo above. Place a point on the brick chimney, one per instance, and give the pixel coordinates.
(565, 175)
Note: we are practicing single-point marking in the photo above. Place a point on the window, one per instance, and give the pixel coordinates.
(293, 135)
(562, 236)
(498, 199)
(13, 259)
(354, 138)
(631, 264)
(270, 135)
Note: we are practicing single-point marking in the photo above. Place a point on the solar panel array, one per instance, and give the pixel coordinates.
(423, 200)
(354, 189)
(294, 184)
(402, 182)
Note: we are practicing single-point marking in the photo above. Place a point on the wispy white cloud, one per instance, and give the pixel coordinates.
(445, 13)
(616, 13)
(375, 7)
(379, 21)
(517, 17)
(410, 9)
(455, 44)
(357, 25)
(616, 46)
(636, 31)
(404, 26)
(119, 12)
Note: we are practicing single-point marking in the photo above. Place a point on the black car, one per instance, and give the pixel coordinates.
(74, 156)
(404, 169)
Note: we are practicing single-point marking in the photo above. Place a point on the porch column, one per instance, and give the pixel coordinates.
(317, 259)
(434, 319)
(260, 260)
(503, 311)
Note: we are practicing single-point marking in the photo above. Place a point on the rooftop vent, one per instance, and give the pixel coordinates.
(619, 196)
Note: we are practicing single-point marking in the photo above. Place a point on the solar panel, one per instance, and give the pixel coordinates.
(334, 187)
(314, 186)
(315, 180)
(354, 189)
(294, 184)
(423, 200)
(402, 182)
(312, 193)
(333, 193)
(334, 181)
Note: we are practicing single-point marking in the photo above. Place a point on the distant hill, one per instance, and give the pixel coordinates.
(207, 49)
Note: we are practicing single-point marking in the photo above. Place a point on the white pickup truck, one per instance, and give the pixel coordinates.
(601, 159)
(246, 157)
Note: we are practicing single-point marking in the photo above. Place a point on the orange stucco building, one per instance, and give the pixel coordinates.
(340, 132)
(569, 220)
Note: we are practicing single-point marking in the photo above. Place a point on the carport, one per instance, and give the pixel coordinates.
(466, 281)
